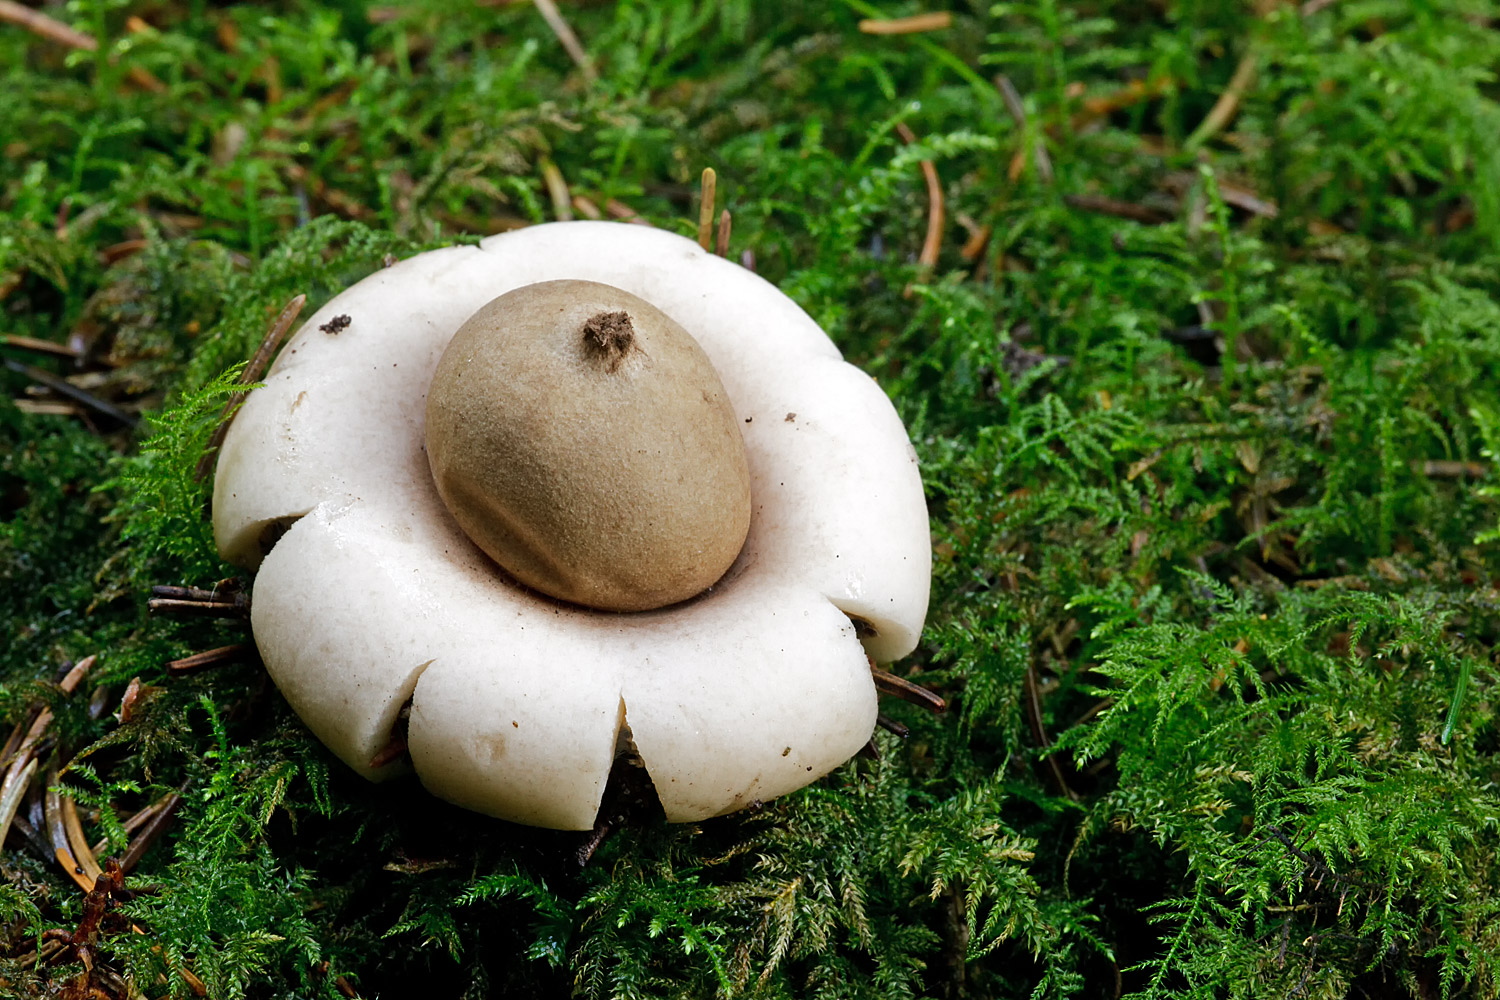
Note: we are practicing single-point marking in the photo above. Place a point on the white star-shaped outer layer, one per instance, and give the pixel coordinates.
(374, 596)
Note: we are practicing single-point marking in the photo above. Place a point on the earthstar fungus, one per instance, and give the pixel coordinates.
(748, 690)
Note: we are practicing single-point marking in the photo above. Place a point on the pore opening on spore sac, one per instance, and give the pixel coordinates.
(610, 336)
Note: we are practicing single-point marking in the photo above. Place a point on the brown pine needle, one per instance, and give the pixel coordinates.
(899, 687)
(570, 42)
(1128, 96)
(557, 190)
(975, 244)
(38, 345)
(194, 983)
(152, 831)
(586, 207)
(619, 210)
(388, 754)
(262, 358)
(46, 27)
(1039, 731)
(75, 676)
(1438, 468)
(223, 589)
(49, 948)
(933, 21)
(53, 30)
(208, 609)
(722, 246)
(208, 658)
(1120, 209)
(46, 408)
(1238, 195)
(1012, 98)
(339, 201)
(77, 841)
(63, 387)
(225, 600)
(706, 197)
(13, 742)
(250, 375)
(18, 776)
(933, 243)
(17, 780)
(1228, 104)
(128, 702)
(57, 836)
(134, 823)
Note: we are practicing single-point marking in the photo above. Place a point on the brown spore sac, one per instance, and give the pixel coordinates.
(584, 441)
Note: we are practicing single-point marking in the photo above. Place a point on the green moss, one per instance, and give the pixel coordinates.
(1212, 488)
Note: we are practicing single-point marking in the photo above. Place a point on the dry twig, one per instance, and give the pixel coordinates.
(99, 899)
(225, 600)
